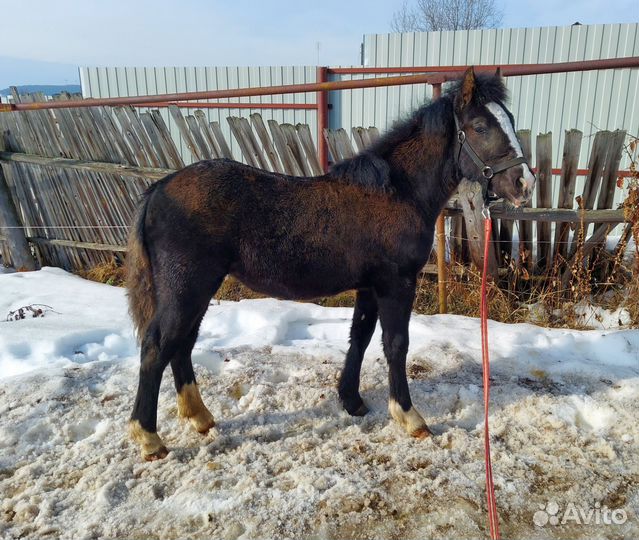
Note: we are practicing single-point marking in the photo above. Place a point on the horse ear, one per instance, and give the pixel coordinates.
(466, 90)
(498, 72)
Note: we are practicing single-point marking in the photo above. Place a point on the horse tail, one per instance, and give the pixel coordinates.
(139, 277)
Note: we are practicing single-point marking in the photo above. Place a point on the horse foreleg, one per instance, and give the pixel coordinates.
(394, 315)
(364, 321)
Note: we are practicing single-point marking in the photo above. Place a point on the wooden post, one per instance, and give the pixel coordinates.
(472, 202)
(21, 257)
(441, 239)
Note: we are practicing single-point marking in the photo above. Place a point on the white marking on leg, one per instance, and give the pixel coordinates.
(151, 446)
(410, 420)
(507, 127)
(191, 406)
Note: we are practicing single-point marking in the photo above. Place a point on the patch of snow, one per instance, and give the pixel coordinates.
(601, 318)
(285, 460)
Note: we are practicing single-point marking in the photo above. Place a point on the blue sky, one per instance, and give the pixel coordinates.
(43, 42)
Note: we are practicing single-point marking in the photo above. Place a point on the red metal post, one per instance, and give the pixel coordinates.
(322, 118)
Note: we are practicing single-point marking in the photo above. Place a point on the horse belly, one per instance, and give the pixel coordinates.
(297, 275)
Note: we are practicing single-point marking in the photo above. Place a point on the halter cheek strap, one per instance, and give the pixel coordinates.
(487, 171)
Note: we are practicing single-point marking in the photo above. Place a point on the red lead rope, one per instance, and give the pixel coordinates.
(493, 516)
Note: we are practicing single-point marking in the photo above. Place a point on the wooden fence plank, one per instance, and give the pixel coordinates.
(141, 134)
(550, 214)
(82, 245)
(13, 234)
(213, 148)
(306, 140)
(525, 229)
(544, 198)
(126, 171)
(185, 132)
(174, 160)
(156, 139)
(286, 156)
(131, 137)
(609, 179)
(118, 138)
(293, 143)
(245, 147)
(194, 127)
(267, 144)
(254, 145)
(569, 165)
(221, 141)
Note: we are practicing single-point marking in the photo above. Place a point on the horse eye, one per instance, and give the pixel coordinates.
(480, 129)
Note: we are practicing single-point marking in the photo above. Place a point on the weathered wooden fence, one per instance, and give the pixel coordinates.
(75, 176)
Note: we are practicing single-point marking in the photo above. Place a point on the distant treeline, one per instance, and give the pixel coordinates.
(46, 89)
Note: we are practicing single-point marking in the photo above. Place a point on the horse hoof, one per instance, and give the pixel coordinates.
(150, 443)
(204, 427)
(355, 410)
(422, 433)
(362, 410)
(160, 453)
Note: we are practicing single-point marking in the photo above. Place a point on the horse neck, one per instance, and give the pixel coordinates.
(427, 168)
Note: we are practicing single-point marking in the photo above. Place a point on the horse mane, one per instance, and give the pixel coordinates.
(370, 168)
(487, 88)
(365, 169)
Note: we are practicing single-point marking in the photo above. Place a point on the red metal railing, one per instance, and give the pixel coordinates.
(420, 75)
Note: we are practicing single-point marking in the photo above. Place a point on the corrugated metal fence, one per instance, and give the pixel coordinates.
(589, 101)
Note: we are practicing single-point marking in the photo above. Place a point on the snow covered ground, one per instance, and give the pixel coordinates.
(285, 461)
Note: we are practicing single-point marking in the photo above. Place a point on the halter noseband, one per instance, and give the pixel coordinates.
(487, 171)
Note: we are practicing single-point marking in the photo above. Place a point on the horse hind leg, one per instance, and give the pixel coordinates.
(143, 423)
(169, 339)
(364, 321)
(189, 401)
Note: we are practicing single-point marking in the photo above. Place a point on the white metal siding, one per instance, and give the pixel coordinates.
(589, 101)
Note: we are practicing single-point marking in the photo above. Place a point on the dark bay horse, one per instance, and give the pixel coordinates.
(366, 225)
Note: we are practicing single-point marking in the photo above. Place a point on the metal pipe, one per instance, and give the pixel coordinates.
(441, 240)
(410, 69)
(507, 69)
(434, 77)
(234, 105)
(322, 119)
(143, 101)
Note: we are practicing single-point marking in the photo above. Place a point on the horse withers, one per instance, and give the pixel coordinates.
(367, 225)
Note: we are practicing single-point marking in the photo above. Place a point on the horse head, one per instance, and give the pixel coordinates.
(487, 148)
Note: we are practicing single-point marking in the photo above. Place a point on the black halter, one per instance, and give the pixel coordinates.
(487, 171)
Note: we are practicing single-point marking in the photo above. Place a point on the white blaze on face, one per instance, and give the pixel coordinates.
(506, 125)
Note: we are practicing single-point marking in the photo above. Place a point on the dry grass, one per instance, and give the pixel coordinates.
(463, 297)
(111, 273)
